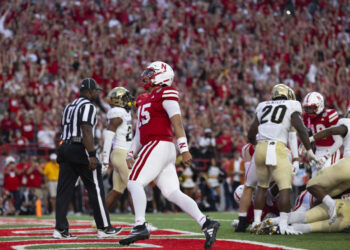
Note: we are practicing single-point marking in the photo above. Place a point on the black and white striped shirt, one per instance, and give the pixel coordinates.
(80, 111)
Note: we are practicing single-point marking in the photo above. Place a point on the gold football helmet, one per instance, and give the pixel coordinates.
(120, 97)
(291, 94)
(282, 90)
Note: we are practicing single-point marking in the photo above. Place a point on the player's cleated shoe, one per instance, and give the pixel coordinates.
(150, 227)
(63, 235)
(254, 228)
(242, 225)
(264, 227)
(210, 227)
(139, 232)
(108, 232)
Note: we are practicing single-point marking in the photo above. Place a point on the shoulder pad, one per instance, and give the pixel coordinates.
(115, 112)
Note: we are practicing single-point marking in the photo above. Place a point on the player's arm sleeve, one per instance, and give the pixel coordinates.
(135, 144)
(293, 143)
(171, 107)
(107, 145)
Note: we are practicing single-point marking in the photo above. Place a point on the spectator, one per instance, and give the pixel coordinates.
(207, 144)
(34, 176)
(51, 171)
(12, 181)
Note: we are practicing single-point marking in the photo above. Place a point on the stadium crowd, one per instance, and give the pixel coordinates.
(226, 54)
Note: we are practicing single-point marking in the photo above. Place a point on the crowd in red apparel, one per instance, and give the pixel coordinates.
(226, 54)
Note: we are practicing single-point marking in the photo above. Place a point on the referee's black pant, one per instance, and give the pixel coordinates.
(73, 161)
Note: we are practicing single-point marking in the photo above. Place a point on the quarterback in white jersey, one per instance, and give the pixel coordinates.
(118, 136)
(273, 121)
(330, 182)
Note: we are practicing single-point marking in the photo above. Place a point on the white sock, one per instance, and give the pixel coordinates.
(283, 218)
(139, 199)
(304, 228)
(257, 215)
(296, 217)
(328, 201)
(242, 214)
(187, 205)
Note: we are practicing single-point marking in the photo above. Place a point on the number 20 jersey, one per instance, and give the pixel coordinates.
(153, 121)
(123, 135)
(275, 119)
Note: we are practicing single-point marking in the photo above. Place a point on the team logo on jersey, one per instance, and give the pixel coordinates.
(158, 90)
(324, 114)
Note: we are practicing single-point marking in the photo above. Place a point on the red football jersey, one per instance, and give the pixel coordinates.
(153, 121)
(326, 119)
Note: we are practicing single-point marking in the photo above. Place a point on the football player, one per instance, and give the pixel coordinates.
(333, 181)
(273, 121)
(158, 116)
(317, 118)
(118, 136)
(314, 220)
(250, 172)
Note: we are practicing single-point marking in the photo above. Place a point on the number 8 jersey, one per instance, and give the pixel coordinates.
(153, 120)
(275, 119)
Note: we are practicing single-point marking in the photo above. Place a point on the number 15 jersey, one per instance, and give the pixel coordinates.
(275, 119)
(153, 120)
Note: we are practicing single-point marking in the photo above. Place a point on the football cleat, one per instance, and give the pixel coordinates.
(139, 232)
(264, 227)
(64, 234)
(210, 228)
(108, 232)
(150, 227)
(254, 228)
(241, 225)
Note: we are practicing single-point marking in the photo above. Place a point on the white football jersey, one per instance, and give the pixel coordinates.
(346, 139)
(275, 119)
(123, 135)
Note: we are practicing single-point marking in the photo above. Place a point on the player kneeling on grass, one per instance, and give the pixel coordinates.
(158, 115)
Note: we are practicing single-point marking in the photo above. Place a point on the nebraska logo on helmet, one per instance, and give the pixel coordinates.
(313, 104)
(156, 74)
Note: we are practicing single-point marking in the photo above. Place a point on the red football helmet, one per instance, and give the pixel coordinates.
(157, 73)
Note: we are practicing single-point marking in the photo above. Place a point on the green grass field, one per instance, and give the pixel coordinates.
(181, 221)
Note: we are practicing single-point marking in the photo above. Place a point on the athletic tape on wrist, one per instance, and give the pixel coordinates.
(182, 144)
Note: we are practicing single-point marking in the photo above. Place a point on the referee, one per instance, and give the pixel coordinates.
(77, 157)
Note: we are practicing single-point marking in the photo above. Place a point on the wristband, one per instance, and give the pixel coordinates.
(92, 153)
(182, 144)
(130, 155)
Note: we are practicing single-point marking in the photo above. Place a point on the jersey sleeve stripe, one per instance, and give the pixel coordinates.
(170, 95)
(334, 115)
(332, 119)
(170, 91)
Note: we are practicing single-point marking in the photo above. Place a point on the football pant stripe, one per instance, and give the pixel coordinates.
(143, 151)
(144, 160)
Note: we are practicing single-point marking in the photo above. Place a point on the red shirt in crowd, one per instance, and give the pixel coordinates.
(28, 130)
(14, 105)
(11, 180)
(7, 124)
(226, 141)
